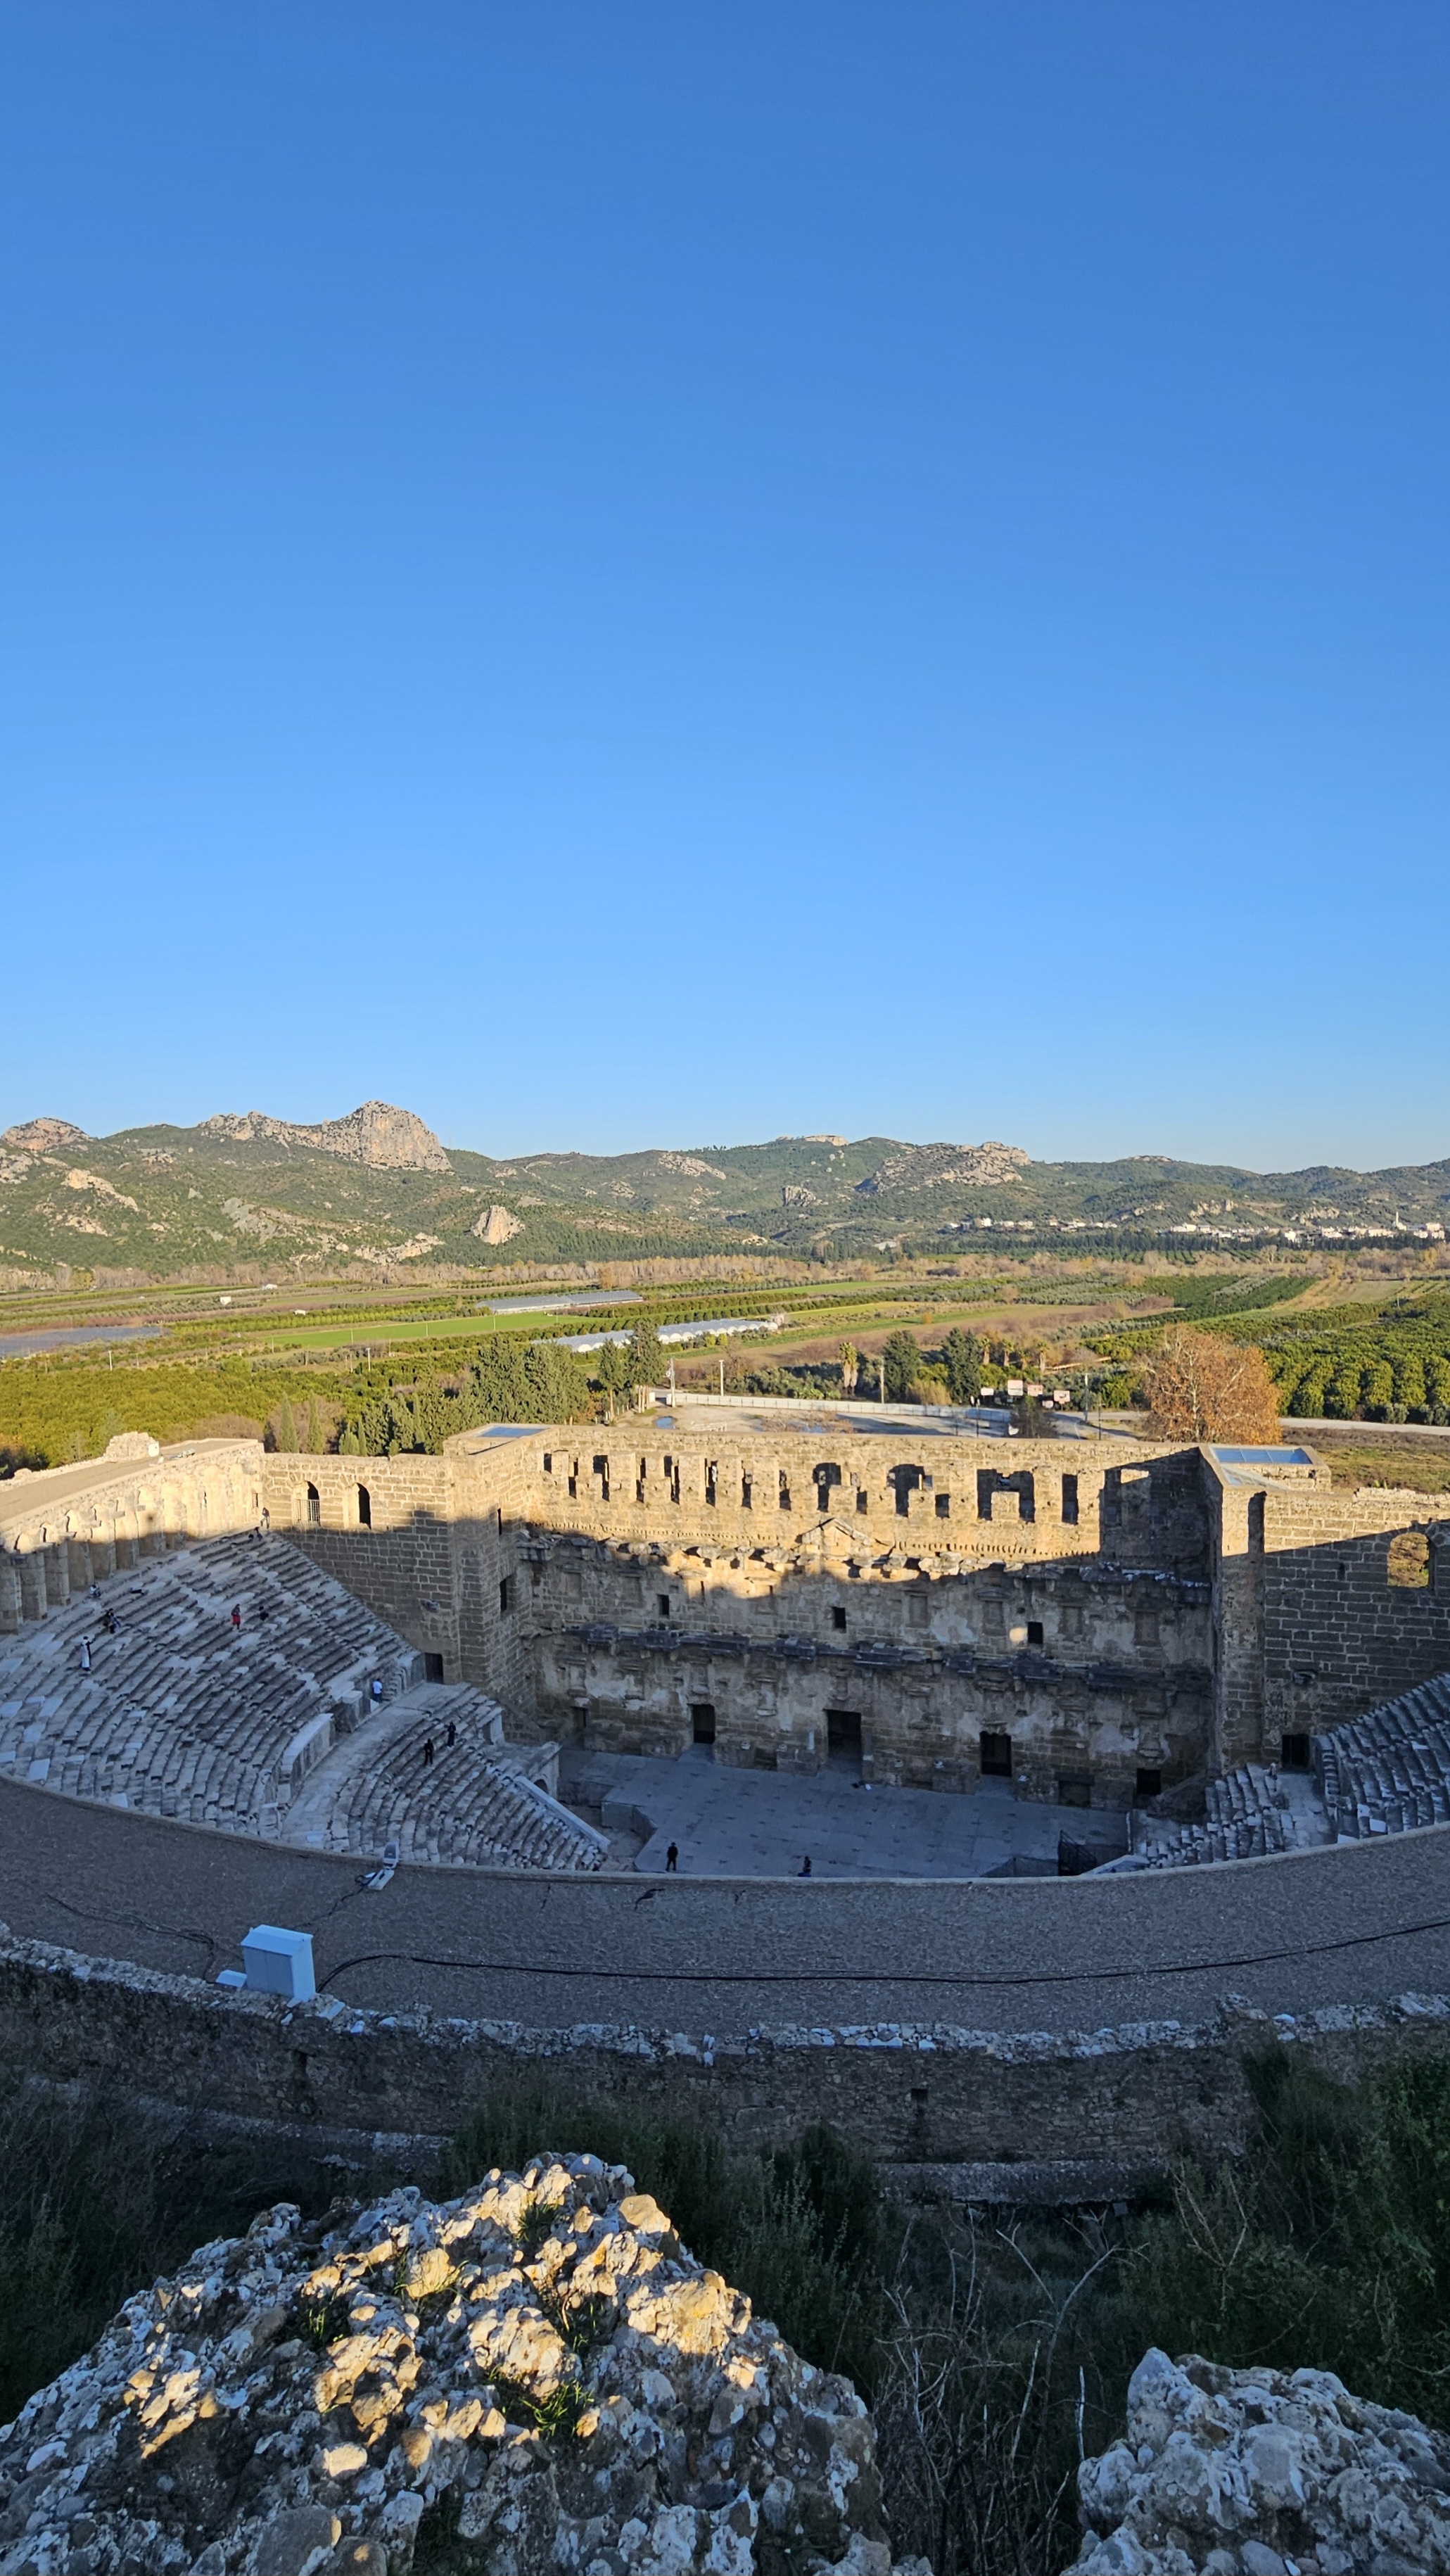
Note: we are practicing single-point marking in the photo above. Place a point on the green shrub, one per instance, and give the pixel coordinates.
(1327, 2246)
(99, 2200)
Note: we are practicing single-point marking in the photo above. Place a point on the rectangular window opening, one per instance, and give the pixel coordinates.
(364, 1508)
(1034, 1632)
(432, 1668)
(1147, 1783)
(996, 1754)
(702, 1721)
(843, 1733)
(506, 1594)
(943, 1507)
(662, 1604)
(838, 1618)
(1294, 1752)
(1069, 1500)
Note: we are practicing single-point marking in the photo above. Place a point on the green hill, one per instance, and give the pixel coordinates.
(377, 1191)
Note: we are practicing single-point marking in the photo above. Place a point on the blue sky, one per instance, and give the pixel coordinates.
(652, 574)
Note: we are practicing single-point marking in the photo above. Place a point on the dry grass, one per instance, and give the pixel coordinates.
(1363, 1455)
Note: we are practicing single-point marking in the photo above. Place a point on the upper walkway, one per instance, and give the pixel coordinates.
(1362, 1922)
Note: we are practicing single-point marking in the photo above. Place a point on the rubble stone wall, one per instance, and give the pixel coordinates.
(901, 2093)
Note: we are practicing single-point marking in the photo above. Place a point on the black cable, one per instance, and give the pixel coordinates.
(885, 1976)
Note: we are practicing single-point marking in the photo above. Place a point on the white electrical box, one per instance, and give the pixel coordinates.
(279, 1962)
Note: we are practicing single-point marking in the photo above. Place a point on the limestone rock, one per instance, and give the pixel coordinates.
(495, 1225)
(934, 1167)
(45, 1136)
(536, 2376)
(384, 1138)
(1263, 2473)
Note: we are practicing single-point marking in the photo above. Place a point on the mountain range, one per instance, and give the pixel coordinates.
(378, 1189)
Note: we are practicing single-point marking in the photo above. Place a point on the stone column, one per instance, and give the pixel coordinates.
(56, 1558)
(127, 1548)
(80, 1564)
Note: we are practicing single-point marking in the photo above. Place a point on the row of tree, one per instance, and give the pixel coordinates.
(508, 1382)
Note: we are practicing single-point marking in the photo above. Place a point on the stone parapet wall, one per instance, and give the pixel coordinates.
(904, 2093)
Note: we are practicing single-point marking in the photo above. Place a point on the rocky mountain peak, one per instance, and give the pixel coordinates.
(384, 1138)
(45, 1136)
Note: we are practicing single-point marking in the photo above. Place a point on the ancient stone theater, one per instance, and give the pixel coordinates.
(1103, 1620)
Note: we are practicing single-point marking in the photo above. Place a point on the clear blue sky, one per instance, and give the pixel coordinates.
(621, 573)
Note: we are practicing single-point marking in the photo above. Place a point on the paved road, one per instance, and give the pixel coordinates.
(1360, 1923)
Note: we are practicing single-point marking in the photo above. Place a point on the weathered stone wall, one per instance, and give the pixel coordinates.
(1092, 1671)
(430, 1544)
(68, 1527)
(899, 2093)
(1309, 1628)
(1135, 1503)
(782, 1586)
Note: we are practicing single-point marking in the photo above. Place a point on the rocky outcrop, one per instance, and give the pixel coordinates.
(386, 1139)
(536, 2376)
(45, 1136)
(496, 1225)
(1263, 2473)
(936, 1167)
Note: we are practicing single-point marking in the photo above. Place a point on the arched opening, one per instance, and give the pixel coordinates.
(314, 1508)
(904, 1482)
(825, 1478)
(1408, 1561)
(364, 1508)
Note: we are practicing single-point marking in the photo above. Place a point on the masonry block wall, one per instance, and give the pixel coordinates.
(1320, 1607)
(1041, 1607)
(1133, 1502)
(367, 2082)
(430, 1544)
(1081, 1674)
